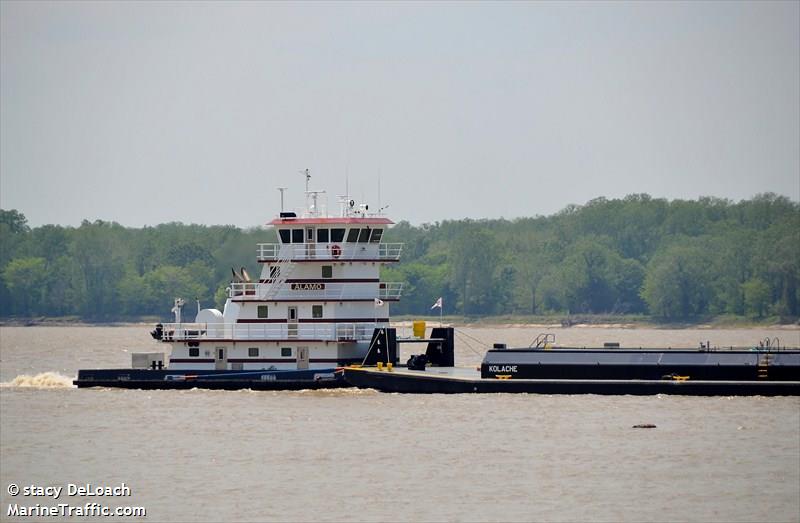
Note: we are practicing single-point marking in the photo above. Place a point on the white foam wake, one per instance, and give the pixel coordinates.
(44, 380)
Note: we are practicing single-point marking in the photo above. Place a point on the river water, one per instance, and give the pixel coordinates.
(366, 456)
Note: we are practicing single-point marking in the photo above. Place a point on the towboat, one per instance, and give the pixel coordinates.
(318, 305)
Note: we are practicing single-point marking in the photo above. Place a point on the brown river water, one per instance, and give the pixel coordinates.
(352, 455)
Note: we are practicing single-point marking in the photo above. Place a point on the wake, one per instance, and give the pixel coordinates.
(44, 380)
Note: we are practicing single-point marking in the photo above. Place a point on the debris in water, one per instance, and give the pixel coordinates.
(644, 426)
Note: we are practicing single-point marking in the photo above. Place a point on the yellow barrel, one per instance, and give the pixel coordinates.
(419, 329)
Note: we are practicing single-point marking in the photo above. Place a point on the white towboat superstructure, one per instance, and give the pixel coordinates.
(315, 305)
(318, 304)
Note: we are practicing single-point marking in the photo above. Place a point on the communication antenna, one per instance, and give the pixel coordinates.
(281, 189)
(307, 174)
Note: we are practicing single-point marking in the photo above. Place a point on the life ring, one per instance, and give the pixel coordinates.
(336, 251)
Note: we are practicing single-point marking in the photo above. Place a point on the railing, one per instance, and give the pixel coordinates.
(330, 251)
(317, 291)
(270, 331)
(543, 340)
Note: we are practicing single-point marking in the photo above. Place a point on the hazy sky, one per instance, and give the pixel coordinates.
(150, 112)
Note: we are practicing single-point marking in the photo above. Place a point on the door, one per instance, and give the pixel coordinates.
(310, 242)
(302, 358)
(292, 326)
(221, 358)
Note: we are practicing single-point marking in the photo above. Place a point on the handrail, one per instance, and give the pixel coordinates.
(322, 291)
(272, 331)
(329, 251)
(542, 340)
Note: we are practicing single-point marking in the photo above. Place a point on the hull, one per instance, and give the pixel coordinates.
(459, 381)
(218, 380)
(642, 364)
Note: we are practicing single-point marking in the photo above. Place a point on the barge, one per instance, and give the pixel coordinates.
(545, 368)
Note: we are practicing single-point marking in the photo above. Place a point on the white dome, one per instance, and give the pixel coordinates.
(209, 316)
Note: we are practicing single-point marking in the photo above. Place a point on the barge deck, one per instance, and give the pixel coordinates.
(457, 380)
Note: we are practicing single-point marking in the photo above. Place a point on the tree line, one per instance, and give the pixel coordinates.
(678, 259)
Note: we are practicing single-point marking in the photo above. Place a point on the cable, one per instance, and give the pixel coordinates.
(469, 345)
(483, 343)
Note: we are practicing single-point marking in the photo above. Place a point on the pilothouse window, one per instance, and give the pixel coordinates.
(352, 236)
(285, 236)
(376, 236)
(364, 236)
(297, 235)
(322, 235)
(337, 235)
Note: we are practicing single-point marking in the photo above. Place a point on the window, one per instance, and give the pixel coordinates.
(316, 311)
(263, 311)
(194, 352)
(297, 235)
(337, 235)
(252, 352)
(322, 235)
(285, 236)
(286, 352)
(364, 236)
(327, 271)
(376, 236)
(352, 236)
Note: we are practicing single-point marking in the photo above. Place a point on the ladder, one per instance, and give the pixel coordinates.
(764, 360)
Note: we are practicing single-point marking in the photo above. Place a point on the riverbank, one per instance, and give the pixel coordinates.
(625, 321)
(609, 321)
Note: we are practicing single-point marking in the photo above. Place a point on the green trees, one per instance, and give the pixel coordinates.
(24, 279)
(677, 284)
(670, 259)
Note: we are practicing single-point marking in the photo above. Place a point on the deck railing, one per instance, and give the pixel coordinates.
(269, 331)
(330, 251)
(318, 291)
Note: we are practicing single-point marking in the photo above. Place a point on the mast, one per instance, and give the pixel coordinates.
(282, 189)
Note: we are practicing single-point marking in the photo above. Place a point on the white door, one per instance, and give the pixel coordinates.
(292, 326)
(302, 358)
(310, 242)
(221, 358)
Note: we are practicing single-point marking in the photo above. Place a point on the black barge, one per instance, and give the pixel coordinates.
(546, 369)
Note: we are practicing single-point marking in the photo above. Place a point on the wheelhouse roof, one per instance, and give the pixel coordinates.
(331, 221)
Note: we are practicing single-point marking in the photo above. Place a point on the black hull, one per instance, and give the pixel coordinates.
(214, 380)
(424, 383)
(643, 364)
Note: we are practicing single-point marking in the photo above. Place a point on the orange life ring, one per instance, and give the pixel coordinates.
(336, 251)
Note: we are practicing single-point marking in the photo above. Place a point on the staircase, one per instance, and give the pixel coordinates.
(283, 269)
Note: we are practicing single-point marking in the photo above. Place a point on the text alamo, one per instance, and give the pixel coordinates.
(308, 287)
